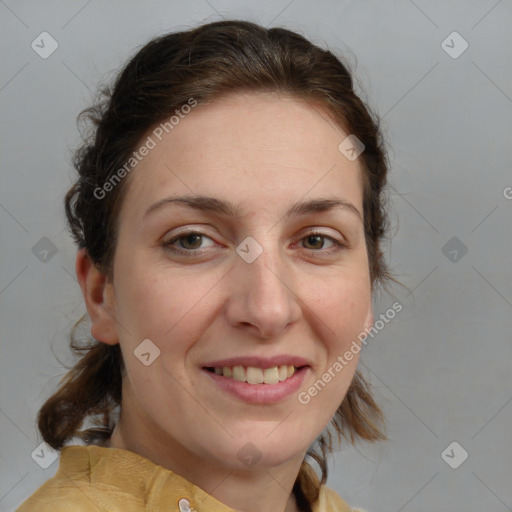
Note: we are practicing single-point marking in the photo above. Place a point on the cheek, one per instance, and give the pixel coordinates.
(343, 303)
(342, 310)
(168, 307)
(145, 308)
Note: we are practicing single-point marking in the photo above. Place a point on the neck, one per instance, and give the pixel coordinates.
(255, 489)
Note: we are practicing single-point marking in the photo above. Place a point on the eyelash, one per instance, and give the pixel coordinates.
(168, 245)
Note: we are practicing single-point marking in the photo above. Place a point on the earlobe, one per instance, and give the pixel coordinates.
(99, 298)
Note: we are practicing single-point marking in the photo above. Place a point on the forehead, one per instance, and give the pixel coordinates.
(248, 147)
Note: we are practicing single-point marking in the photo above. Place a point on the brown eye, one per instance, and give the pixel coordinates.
(314, 242)
(321, 245)
(191, 241)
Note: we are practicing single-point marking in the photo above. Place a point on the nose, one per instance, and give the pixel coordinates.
(263, 297)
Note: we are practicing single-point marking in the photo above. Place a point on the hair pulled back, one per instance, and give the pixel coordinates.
(204, 64)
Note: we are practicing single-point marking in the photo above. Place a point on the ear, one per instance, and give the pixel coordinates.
(98, 295)
(368, 323)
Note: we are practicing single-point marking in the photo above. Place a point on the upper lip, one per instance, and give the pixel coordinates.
(259, 362)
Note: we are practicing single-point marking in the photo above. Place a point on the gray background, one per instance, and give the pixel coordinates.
(441, 368)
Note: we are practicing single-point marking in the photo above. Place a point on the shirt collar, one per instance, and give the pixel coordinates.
(153, 485)
(135, 475)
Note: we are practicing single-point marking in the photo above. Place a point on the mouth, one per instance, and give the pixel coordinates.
(255, 375)
(257, 385)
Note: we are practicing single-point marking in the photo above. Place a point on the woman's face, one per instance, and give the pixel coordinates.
(188, 278)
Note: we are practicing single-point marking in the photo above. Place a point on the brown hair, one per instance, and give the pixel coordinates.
(206, 63)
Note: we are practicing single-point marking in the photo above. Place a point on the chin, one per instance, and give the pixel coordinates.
(262, 450)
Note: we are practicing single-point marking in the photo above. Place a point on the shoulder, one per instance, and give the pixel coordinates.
(54, 498)
(59, 496)
(77, 486)
(331, 501)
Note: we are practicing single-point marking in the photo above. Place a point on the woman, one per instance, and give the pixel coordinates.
(229, 215)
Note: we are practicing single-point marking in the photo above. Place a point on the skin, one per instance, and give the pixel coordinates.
(262, 152)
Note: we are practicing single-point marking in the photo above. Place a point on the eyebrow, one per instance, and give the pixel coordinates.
(218, 206)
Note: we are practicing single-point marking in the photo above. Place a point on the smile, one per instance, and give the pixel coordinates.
(255, 385)
(255, 375)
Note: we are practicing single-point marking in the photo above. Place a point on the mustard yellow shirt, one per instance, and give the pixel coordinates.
(99, 479)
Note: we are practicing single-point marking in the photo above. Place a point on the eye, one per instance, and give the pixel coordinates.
(187, 243)
(315, 241)
(191, 243)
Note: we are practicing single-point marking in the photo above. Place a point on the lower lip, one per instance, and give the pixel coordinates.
(260, 393)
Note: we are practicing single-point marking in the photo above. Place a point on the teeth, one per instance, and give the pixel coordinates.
(270, 375)
(238, 373)
(253, 375)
